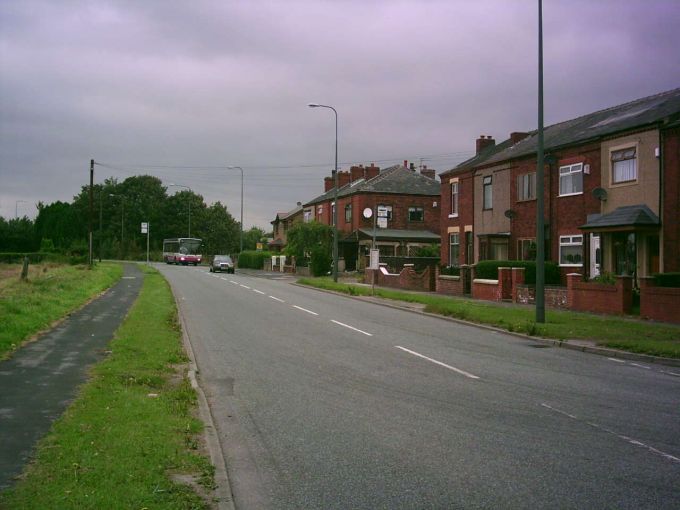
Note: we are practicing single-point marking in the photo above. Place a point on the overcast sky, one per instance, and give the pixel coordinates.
(142, 86)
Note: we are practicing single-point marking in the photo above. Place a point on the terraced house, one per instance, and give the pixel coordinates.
(611, 191)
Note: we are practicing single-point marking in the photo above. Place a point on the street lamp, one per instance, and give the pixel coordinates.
(241, 169)
(335, 191)
(187, 187)
(16, 207)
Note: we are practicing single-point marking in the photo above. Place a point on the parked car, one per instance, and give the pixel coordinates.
(222, 263)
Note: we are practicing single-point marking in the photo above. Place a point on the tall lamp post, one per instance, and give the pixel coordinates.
(187, 187)
(540, 222)
(241, 234)
(335, 191)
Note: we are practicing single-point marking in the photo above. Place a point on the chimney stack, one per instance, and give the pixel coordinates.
(371, 171)
(517, 136)
(343, 179)
(327, 184)
(356, 173)
(483, 142)
(405, 163)
(428, 172)
(412, 167)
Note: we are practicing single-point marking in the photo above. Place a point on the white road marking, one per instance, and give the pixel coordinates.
(277, 299)
(235, 283)
(670, 373)
(630, 440)
(258, 291)
(457, 370)
(352, 328)
(640, 366)
(617, 360)
(244, 286)
(305, 310)
(223, 278)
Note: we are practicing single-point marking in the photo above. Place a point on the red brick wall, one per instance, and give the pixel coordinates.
(486, 291)
(555, 297)
(659, 303)
(400, 205)
(408, 279)
(450, 285)
(671, 200)
(599, 297)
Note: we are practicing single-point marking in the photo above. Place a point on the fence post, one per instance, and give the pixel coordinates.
(24, 269)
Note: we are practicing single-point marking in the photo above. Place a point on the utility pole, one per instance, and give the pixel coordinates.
(100, 224)
(91, 258)
(540, 192)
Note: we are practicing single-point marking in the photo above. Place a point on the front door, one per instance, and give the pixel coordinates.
(595, 255)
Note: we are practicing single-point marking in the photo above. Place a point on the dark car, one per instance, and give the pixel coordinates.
(222, 263)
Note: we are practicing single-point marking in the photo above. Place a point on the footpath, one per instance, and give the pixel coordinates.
(39, 382)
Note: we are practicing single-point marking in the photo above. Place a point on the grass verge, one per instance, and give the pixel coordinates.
(608, 331)
(50, 292)
(131, 428)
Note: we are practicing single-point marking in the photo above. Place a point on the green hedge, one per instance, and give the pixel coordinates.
(667, 279)
(253, 259)
(321, 262)
(38, 257)
(488, 269)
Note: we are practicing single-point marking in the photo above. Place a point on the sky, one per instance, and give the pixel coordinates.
(184, 89)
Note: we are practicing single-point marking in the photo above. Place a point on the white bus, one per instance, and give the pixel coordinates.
(182, 250)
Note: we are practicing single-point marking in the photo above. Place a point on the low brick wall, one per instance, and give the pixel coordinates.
(407, 279)
(555, 297)
(486, 289)
(599, 297)
(659, 303)
(449, 285)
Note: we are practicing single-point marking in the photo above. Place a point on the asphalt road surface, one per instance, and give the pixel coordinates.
(323, 401)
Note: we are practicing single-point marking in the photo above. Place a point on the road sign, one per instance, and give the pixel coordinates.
(382, 222)
(145, 228)
(375, 259)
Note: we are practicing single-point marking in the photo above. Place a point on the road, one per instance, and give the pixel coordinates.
(323, 401)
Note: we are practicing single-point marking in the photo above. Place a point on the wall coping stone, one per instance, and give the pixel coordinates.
(485, 281)
(448, 277)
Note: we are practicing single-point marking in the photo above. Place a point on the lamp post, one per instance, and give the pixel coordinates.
(335, 191)
(241, 234)
(187, 187)
(16, 207)
(540, 222)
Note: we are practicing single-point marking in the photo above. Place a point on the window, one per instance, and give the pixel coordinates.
(571, 179)
(454, 199)
(526, 186)
(385, 211)
(319, 212)
(526, 249)
(571, 250)
(348, 213)
(488, 193)
(624, 165)
(415, 214)
(307, 215)
(454, 249)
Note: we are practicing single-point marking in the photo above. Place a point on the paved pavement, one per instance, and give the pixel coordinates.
(39, 382)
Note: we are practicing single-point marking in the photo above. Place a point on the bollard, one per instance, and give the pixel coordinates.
(24, 270)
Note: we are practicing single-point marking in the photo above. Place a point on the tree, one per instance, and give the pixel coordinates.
(252, 237)
(61, 223)
(305, 238)
(219, 231)
(17, 235)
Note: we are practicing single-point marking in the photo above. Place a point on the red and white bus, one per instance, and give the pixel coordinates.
(182, 250)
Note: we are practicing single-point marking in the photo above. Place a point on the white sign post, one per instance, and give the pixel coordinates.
(145, 230)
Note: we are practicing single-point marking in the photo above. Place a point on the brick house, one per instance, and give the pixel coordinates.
(407, 198)
(611, 193)
(282, 224)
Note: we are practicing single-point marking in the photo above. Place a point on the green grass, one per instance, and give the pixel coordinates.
(50, 293)
(131, 427)
(609, 331)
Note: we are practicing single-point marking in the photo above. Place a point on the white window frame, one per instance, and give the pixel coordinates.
(454, 200)
(454, 236)
(570, 241)
(388, 210)
(520, 247)
(570, 171)
(415, 208)
(307, 215)
(526, 183)
(634, 159)
(487, 182)
(348, 209)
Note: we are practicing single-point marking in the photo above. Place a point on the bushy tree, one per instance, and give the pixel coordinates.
(304, 238)
(252, 237)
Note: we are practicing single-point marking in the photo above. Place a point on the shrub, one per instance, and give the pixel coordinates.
(253, 259)
(432, 250)
(667, 279)
(449, 270)
(606, 278)
(320, 263)
(488, 269)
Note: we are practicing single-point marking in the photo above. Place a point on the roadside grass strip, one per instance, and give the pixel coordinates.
(51, 292)
(638, 336)
(131, 430)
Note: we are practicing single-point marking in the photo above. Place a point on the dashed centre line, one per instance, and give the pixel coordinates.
(305, 310)
(457, 370)
(258, 291)
(351, 327)
(277, 299)
(244, 286)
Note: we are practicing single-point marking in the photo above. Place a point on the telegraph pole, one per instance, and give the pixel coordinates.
(540, 192)
(90, 257)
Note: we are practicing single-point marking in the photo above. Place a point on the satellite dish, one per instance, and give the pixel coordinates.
(510, 214)
(600, 194)
(368, 212)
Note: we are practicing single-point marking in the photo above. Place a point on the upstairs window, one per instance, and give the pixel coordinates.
(416, 214)
(526, 186)
(454, 199)
(307, 215)
(571, 179)
(624, 165)
(488, 193)
(348, 213)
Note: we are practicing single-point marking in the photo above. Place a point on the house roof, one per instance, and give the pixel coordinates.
(635, 114)
(284, 215)
(630, 216)
(394, 235)
(484, 155)
(397, 180)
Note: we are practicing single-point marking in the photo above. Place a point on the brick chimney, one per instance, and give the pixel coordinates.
(327, 184)
(356, 173)
(428, 172)
(483, 142)
(517, 136)
(371, 171)
(343, 179)
(412, 167)
(406, 163)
